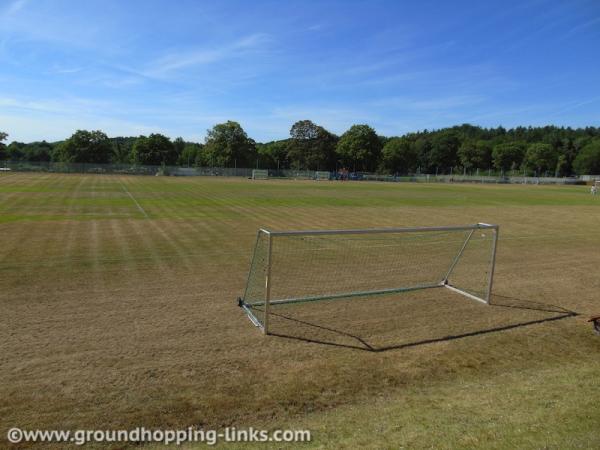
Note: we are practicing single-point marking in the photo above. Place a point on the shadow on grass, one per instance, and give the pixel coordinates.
(519, 303)
(498, 301)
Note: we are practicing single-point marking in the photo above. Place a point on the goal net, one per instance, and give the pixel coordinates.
(305, 266)
(322, 175)
(260, 174)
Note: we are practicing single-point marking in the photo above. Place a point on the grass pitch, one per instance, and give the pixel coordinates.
(117, 299)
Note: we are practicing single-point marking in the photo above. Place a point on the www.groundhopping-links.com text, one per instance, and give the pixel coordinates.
(167, 436)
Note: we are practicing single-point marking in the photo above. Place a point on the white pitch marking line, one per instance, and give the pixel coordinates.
(134, 200)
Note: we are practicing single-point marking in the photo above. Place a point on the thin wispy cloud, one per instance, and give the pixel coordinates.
(581, 27)
(177, 61)
(14, 7)
(65, 70)
(433, 104)
(64, 105)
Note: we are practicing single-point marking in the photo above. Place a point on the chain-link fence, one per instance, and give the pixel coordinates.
(136, 169)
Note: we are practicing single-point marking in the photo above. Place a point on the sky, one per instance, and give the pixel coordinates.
(179, 67)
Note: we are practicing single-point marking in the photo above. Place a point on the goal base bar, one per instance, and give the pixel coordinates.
(247, 306)
(344, 295)
(466, 294)
(247, 309)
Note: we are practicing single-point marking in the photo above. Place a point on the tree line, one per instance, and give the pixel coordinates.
(549, 150)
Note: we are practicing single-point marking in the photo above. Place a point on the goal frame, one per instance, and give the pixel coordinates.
(444, 283)
(260, 174)
(321, 175)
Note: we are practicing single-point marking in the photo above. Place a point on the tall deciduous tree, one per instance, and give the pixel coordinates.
(311, 146)
(508, 156)
(227, 144)
(541, 158)
(359, 148)
(273, 154)
(423, 147)
(475, 154)
(399, 155)
(122, 149)
(178, 146)
(3, 153)
(587, 161)
(190, 154)
(155, 150)
(444, 149)
(85, 147)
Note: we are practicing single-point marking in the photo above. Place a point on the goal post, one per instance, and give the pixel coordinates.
(321, 175)
(260, 174)
(306, 266)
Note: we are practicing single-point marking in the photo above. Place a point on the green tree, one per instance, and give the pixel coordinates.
(568, 152)
(359, 148)
(273, 154)
(507, 156)
(190, 154)
(444, 150)
(541, 158)
(154, 150)
(423, 148)
(311, 147)
(399, 155)
(3, 154)
(178, 146)
(227, 145)
(122, 149)
(38, 151)
(85, 147)
(15, 151)
(475, 154)
(587, 161)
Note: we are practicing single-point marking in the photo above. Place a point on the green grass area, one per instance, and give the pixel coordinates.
(553, 407)
(216, 198)
(118, 305)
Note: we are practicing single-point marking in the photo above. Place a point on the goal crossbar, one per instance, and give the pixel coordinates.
(379, 230)
(257, 304)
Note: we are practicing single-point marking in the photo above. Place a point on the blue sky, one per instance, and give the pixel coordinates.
(178, 67)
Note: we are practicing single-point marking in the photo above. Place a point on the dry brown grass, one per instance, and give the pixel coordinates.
(114, 320)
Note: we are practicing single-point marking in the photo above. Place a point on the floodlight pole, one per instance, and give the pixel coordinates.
(268, 285)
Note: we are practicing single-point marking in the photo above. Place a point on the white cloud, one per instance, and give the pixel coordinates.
(435, 103)
(15, 7)
(180, 60)
(67, 106)
(59, 70)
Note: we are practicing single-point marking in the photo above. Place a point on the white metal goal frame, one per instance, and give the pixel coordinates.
(260, 174)
(253, 309)
(321, 175)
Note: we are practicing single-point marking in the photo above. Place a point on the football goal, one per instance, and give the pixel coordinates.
(306, 266)
(322, 175)
(260, 174)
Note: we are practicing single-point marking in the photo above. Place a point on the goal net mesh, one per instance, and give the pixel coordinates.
(310, 267)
